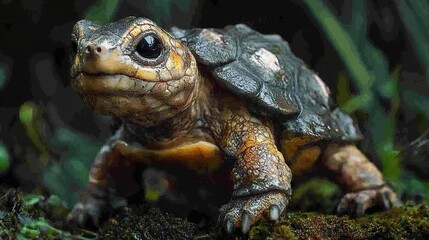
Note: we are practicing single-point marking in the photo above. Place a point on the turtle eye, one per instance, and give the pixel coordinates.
(149, 47)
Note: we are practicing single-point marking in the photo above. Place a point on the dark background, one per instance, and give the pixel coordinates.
(374, 56)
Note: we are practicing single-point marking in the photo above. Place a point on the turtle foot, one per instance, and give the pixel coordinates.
(87, 213)
(243, 212)
(357, 203)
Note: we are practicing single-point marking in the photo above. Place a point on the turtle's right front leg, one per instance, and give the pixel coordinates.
(260, 175)
(94, 202)
(109, 170)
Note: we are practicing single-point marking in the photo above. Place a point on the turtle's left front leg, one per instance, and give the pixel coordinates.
(260, 175)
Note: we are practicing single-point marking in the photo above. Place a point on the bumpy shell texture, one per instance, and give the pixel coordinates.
(263, 70)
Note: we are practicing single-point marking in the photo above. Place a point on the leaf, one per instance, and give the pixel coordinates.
(2, 75)
(343, 89)
(417, 102)
(415, 19)
(102, 11)
(162, 9)
(32, 199)
(357, 102)
(4, 159)
(68, 177)
(343, 43)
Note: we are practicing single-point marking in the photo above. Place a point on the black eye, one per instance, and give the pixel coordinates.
(149, 47)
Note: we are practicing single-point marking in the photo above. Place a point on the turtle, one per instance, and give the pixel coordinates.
(232, 106)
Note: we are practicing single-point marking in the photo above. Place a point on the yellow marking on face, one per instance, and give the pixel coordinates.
(130, 35)
(175, 64)
(201, 156)
(135, 31)
(148, 74)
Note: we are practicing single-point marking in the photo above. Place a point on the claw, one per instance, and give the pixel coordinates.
(359, 208)
(274, 212)
(355, 204)
(351, 210)
(229, 226)
(386, 201)
(243, 212)
(247, 221)
(340, 209)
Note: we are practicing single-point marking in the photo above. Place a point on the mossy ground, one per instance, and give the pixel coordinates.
(406, 222)
(144, 222)
(35, 217)
(32, 217)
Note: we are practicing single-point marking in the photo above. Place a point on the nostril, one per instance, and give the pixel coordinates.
(92, 50)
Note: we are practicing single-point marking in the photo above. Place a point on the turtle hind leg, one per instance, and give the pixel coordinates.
(360, 178)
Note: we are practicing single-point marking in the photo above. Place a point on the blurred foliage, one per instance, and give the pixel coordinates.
(4, 159)
(69, 176)
(416, 101)
(27, 217)
(325, 191)
(370, 74)
(31, 118)
(412, 186)
(415, 15)
(161, 9)
(66, 177)
(2, 75)
(102, 11)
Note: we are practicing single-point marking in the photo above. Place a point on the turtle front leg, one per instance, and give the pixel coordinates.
(109, 167)
(260, 175)
(360, 178)
(94, 202)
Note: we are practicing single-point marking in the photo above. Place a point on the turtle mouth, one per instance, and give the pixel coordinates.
(98, 74)
(110, 84)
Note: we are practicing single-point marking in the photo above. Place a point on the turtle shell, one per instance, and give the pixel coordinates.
(263, 70)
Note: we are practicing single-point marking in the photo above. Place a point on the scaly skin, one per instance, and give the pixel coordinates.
(360, 178)
(174, 113)
(260, 175)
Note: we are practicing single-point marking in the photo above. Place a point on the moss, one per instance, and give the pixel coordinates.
(144, 222)
(26, 218)
(265, 230)
(407, 222)
(316, 194)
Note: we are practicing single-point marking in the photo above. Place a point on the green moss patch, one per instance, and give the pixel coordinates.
(27, 217)
(144, 222)
(38, 217)
(406, 222)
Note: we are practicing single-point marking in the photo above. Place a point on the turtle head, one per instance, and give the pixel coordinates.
(133, 69)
